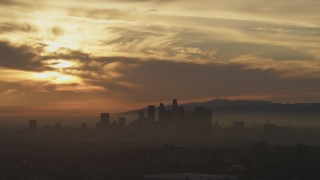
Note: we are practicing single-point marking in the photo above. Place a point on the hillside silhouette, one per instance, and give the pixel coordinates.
(225, 105)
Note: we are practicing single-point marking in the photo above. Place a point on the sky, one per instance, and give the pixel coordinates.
(81, 57)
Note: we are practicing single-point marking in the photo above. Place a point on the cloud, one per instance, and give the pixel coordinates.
(282, 11)
(157, 1)
(105, 14)
(139, 1)
(125, 52)
(147, 80)
(143, 80)
(16, 27)
(219, 40)
(20, 3)
(57, 31)
(49, 81)
(288, 68)
(18, 57)
(7, 2)
(10, 92)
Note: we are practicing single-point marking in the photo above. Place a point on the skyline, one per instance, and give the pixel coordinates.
(58, 58)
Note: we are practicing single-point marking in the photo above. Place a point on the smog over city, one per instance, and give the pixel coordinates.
(159, 89)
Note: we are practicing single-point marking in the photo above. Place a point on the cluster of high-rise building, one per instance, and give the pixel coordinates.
(177, 122)
(175, 117)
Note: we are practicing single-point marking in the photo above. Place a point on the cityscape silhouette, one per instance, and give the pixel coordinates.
(159, 90)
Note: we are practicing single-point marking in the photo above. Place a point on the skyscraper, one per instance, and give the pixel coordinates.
(175, 114)
(58, 127)
(98, 125)
(174, 104)
(84, 126)
(105, 119)
(162, 112)
(122, 122)
(141, 115)
(33, 124)
(151, 113)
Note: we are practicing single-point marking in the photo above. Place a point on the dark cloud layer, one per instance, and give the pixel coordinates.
(7, 1)
(145, 79)
(18, 57)
(154, 80)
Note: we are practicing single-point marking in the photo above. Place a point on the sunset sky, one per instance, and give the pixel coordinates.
(78, 57)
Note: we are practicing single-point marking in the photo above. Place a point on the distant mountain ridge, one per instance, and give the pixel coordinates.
(225, 105)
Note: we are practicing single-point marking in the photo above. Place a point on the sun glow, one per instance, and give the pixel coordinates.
(64, 64)
(56, 77)
(53, 46)
(60, 64)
